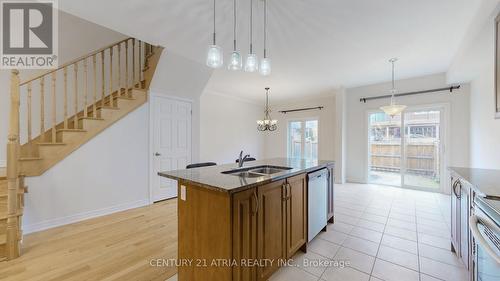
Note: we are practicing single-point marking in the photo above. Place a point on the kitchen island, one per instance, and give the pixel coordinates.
(243, 223)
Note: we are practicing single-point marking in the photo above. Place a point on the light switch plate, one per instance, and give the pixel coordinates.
(183, 192)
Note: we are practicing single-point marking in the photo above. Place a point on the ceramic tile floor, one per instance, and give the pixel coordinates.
(384, 233)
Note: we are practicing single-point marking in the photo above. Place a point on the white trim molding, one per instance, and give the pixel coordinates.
(3, 163)
(51, 223)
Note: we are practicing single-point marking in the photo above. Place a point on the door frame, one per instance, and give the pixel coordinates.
(303, 119)
(152, 97)
(445, 143)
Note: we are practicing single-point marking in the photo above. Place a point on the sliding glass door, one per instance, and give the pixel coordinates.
(405, 150)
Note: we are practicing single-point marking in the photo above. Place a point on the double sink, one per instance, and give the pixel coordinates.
(256, 171)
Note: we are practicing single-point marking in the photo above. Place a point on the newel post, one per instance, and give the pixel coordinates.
(13, 249)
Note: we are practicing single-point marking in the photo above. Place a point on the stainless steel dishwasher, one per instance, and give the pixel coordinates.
(317, 202)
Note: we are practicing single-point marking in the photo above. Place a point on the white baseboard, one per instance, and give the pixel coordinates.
(30, 228)
(3, 163)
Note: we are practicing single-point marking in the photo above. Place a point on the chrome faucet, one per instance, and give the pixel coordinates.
(242, 159)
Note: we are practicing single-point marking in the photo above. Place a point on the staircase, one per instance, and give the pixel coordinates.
(106, 85)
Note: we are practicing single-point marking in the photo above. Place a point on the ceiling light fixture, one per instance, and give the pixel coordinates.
(235, 62)
(252, 63)
(393, 109)
(214, 55)
(265, 63)
(267, 124)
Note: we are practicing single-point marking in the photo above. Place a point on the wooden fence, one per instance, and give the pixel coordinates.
(421, 158)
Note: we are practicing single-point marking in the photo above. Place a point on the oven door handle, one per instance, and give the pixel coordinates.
(479, 238)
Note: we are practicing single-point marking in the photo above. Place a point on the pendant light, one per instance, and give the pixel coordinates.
(265, 62)
(267, 124)
(235, 62)
(214, 55)
(252, 63)
(393, 109)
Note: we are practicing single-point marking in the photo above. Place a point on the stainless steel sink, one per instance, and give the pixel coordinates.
(256, 171)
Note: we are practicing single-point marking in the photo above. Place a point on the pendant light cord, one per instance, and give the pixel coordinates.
(234, 24)
(265, 28)
(251, 26)
(214, 26)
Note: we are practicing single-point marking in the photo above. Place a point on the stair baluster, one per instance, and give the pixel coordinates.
(111, 76)
(126, 66)
(54, 104)
(65, 97)
(75, 88)
(119, 70)
(85, 90)
(29, 112)
(94, 107)
(102, 76)
(133, 62)
(42, 109)
(140, 64)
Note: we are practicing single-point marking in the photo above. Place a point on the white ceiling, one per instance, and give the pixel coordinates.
(316, 46)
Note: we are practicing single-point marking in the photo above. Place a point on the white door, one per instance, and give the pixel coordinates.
(171, 143)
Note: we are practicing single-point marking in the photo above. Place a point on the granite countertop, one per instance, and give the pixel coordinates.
(212, 178)
(486, 183)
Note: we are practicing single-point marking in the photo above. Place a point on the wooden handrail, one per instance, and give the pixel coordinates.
(74, 61)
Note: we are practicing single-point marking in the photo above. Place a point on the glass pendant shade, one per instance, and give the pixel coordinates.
(252, 63)
(265, 66)
(235, 62)
(393, 109)
(215, 58)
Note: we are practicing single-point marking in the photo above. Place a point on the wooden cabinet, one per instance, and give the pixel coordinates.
(331, 194)
(271, 235)
(455, 216)
(461, 200)
(245, 206)
(296, 214)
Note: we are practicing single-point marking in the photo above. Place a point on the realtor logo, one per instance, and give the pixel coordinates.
(29, 34)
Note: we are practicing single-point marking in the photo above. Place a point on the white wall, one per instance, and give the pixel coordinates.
(476, 64)
(107, 174)
(357, 147)
(276, 142)
(227, 126)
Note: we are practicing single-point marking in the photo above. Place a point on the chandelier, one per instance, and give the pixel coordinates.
(267, 124)
(393, 109)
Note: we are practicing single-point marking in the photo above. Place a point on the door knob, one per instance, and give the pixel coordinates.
(157, 154)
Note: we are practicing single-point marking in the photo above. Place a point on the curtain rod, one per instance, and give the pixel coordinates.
(412, 93)
(301, 109)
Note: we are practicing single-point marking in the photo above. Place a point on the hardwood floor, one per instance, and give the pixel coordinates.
(114, 247)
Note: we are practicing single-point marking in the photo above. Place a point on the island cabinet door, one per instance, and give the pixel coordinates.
(455, 216)
(296, 214)
(245, 235)
(331, 194)
(271, 229)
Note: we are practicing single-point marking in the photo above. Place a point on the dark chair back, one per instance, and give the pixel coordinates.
(198, 165)
(246, 160)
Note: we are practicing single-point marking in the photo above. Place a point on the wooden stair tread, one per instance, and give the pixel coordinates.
(51, 143)
(5, 216)
(90, 118)
(72, 130)
(108, 107)
(30, 158)
(3, 173)
(126, 98)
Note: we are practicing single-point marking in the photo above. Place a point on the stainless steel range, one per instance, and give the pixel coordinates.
(485, 228)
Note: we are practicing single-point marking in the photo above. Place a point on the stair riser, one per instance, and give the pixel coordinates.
(49, 150)
(89, 123)
(65, 137)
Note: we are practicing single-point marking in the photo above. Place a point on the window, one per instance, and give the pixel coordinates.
(303, 139)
